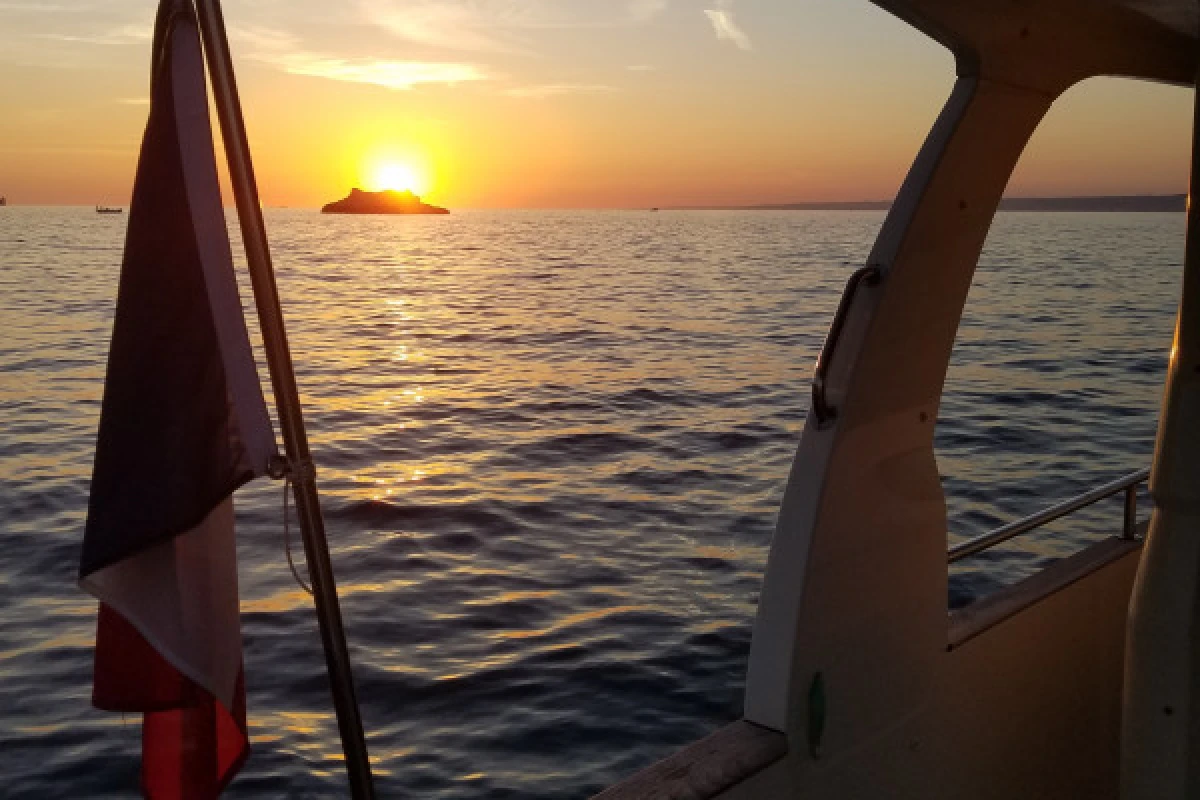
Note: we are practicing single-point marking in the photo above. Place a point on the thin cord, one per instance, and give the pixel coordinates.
(287, 535)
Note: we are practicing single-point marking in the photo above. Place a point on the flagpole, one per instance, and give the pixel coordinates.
(287, 399)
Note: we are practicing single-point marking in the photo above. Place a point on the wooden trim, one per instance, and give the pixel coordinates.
(967, 623)
(704, 769)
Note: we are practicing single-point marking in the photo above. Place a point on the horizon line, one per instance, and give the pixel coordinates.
(798, 205)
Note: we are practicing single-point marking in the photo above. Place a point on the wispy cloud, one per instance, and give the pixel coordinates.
(450, 26)
(46, 8)
(552, 89)
(134, 101)
(282, 51)
(642, 11)
(60, 37)
(389, 74)
(498, 26)
(122, 34)
(724, 25)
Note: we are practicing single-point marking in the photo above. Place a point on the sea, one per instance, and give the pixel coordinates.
(550, 449)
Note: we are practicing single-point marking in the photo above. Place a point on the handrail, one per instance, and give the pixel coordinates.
(1127, 484)
(825, 413)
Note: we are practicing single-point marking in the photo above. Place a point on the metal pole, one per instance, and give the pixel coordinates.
(287, 399)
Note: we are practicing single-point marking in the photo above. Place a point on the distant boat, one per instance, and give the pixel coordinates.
(108, 210)
(3, 201)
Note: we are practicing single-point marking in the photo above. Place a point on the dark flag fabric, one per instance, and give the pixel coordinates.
(183, 424)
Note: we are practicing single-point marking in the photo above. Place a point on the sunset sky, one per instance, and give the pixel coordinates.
(550, 103)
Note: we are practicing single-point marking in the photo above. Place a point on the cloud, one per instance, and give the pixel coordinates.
(642, 11)
(551, 89)
(389, 74)
(725, 26)
(60, 37)
(451, 26)
(282, 51)
(119, 34)
(46, 8)
(498, 26)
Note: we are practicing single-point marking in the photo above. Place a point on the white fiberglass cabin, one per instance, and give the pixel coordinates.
(1078, 682)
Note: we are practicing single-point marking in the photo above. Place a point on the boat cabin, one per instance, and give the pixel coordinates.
(1082, 681)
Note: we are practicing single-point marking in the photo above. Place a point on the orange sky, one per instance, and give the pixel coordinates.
(563, 103)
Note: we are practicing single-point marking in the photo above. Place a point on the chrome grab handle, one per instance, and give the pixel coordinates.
(871, 275)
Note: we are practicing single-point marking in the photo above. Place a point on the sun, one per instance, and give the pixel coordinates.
(398, 177)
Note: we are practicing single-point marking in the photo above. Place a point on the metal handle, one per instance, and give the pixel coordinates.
(871, 275)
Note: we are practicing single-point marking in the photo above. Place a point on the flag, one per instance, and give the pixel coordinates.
(183, 424)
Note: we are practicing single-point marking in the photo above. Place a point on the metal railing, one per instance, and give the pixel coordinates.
(1128, 484)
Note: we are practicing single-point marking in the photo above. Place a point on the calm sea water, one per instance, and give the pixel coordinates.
(551, 447)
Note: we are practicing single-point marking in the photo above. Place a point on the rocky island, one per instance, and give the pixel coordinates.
(385, 202)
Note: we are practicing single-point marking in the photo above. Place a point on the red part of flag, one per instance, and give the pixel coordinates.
(192, 745)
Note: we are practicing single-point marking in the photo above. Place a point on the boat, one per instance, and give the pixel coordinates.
(3, 201)
(108, 210)
(1077, 682)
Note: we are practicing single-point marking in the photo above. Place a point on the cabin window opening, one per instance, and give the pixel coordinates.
(1057, 372)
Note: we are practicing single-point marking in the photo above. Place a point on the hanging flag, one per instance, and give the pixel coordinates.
(183, 424)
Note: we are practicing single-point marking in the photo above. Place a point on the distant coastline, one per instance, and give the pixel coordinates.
(1139, 202)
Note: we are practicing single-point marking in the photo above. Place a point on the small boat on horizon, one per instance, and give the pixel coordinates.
(108, 210)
